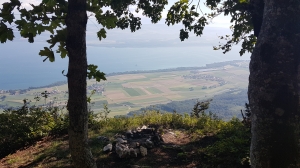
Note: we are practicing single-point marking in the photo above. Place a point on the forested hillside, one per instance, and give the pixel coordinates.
(225, 105)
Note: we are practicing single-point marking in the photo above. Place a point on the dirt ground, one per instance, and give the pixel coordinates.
(177, 151)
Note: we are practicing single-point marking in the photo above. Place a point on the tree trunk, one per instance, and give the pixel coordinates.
(77, 73)
(274, 88)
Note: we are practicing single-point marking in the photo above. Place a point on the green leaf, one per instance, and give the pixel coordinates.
(51, 57)
(111, 22)
(101, 34)
(6, 33)
(10, 34)
(93, 73)
(30, 38)
(62, 50)
(48, 53)
(243, 1)
(50, 3)
(89, 99)
(45, 1)
(184, 1)
(183, 35)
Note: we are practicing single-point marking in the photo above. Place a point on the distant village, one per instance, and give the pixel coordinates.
(194, 75)
(98, 88)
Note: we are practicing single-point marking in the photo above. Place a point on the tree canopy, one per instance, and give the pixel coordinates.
(194, 20)
(66, 21)
(50, 15)
(250, 19)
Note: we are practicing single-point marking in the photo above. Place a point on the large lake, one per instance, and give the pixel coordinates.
(22, 67)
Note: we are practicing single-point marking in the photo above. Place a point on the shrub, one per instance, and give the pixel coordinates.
(23, 126)
(232, 147)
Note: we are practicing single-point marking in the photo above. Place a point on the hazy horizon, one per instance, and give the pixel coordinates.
(153, 47)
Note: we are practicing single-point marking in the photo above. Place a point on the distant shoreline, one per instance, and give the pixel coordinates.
(207, 67)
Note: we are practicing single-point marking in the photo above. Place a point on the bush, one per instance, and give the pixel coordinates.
(231, 148)
(24, 126)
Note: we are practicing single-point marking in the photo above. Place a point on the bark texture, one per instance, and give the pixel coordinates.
(274, 87)
(77, 73)
(257, 12)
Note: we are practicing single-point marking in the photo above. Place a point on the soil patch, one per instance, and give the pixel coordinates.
(176, 151)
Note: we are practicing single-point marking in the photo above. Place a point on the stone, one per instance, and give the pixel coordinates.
(156, 139)
(119, 151)
(122, 150)
(137, 151)
(133, 145)
(126, 152)
(137, 135)
(133, 152)
(149, 144)
(107, 148)
(121, 145)
(147, 131)
(102, 139)
(120, 136)
(143, 151)
(172, 133)
(133, 142)
(121, 140)
(129, 134)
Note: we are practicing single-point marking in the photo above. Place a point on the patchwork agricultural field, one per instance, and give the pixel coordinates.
(128, 92)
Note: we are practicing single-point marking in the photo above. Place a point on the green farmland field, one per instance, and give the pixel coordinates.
(126, 92)
(134, 91)
(154, 90)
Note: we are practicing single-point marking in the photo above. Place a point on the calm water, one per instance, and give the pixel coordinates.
(22, 67)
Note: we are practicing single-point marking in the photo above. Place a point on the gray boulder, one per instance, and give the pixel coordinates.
(143, 151)
(107, 148)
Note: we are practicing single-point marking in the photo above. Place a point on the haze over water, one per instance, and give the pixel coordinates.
(21, 66)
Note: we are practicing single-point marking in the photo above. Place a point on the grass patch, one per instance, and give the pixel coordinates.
(137, 80)
(101, 102)
(181, 89)
(154, 90)
(127, 103)
(113, 85)
(211, 142)
(140, 91)
(152, 75)
(134, 91)
(149, 100)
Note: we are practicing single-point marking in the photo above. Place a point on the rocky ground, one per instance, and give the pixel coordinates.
(175, 149)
